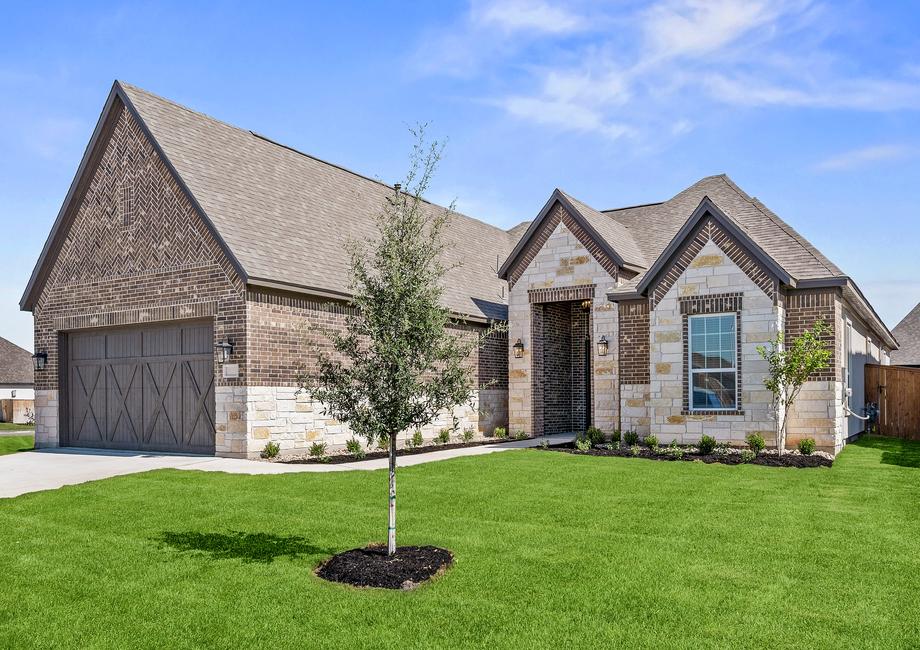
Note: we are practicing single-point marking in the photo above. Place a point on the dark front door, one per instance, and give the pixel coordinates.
(145, 388)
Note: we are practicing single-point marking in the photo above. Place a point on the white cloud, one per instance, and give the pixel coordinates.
(562, 114)
(864, 157)
(526, 15)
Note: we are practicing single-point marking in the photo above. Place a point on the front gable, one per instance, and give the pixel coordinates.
(709, 224)
(554, 214)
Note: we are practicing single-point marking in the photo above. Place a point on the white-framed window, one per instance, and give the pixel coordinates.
(713, 362)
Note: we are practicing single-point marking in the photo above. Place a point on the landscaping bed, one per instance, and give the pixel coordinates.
(372, 567)
(729, 456)
(304, 457)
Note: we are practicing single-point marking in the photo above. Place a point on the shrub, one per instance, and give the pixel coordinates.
(651, 440)
(807, 446)
(520, 435)
(631, 438)
(500, 432)
(595, 435)
(416, 440)
(617, 435)
(468, 434)
(383, 443)
(635, 449)
(756, 442)
(675, 451)
(443, 437)
(748, 456)
(354, 448)
(318, 450)
(722, 449)
(707, 445)
(270, 450)
(582, 444)
(544, 444)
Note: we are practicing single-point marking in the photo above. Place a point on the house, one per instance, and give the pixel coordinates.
(649, 317)
(907, 332)
(180, 290)
(16, 392)
(186, 276)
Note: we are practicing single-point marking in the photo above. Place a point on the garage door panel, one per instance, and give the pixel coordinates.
(142, 388)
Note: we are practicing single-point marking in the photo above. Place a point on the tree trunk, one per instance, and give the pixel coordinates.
(391, 529)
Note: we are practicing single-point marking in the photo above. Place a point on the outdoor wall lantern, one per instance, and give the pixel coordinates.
(518, 349)
(224, 350)
(39, 359)
(602, 347)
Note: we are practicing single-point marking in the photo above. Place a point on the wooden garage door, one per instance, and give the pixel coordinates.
(149, 388)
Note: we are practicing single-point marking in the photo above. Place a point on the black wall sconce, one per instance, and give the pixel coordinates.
(602, 347)
(39, 359)
(518, 349)
(224, 350)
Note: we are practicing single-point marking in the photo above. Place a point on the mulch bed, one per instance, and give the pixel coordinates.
(351, 458)
(372, 567)
(770, 460)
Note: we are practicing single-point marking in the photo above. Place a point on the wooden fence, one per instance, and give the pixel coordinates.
(896, 390)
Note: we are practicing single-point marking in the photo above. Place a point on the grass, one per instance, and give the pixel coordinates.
(12, 444)
(9, 426)
(552, 550)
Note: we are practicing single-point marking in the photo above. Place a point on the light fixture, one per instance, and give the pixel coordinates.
(39, 359)
(586, 305)
(602, 347)
(518, 349)
(224, 350)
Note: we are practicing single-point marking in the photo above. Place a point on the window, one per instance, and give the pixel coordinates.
(713, 363)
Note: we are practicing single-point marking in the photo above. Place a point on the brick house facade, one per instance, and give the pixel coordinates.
(193, 267)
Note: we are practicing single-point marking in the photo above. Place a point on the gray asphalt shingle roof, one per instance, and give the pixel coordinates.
(908, 334)
(287, 216)
(15, 364)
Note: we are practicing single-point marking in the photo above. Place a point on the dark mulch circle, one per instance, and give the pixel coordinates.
(770, 460)
(372, 567)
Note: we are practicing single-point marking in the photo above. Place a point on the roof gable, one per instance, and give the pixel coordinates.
(15, 364)
(907, 333)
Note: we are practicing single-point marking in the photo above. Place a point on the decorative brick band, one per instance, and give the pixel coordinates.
(295, 301)
(135, 316)
(634, 342)
(561, 294)
(803, 309)
(714, 304)
(711, 230)
(557, 215)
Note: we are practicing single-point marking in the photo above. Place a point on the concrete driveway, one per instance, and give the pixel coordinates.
(48, 469)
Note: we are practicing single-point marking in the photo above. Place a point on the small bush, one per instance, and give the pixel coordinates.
(270, 450)
(756, 442)
(443, 437)
(354, 448)
(617, 436)
(520, 435)
(721, 449)
(807, 446)
(544, 444)
(318, 450)
(748, 455)
(383, 443)
(635, 449)
(500, 432)
(707, 445)
(651, 440)
(595, 435)
(582, 444)
(631, 438)
(674, 450)
(467, 434)
(416, 440)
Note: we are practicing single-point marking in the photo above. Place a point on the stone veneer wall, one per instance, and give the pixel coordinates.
(285, 334)
(562, 261)
(136, 251)
(710, 272)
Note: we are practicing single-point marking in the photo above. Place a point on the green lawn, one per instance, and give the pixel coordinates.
(9, 426)
(12, 444)
(552, 550)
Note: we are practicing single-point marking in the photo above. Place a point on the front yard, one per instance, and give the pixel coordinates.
(10, 444)
(551, 550)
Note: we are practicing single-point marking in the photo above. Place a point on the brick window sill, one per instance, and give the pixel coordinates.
(705, 412)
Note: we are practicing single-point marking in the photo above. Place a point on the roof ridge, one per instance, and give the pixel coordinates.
(630, 207)
(264, 138)
(775, 219)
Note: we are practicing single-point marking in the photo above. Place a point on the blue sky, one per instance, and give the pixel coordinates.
(813, 107)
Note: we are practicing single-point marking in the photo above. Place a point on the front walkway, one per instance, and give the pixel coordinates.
(48, 469)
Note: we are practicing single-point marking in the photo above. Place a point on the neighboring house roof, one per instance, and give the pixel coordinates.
(285, 217)
(15, 364)
(907, 332)
(645, 235)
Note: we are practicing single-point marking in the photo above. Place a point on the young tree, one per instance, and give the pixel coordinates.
(790, 367)
(396, 365)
